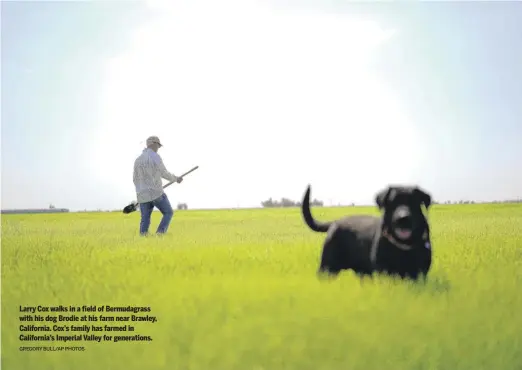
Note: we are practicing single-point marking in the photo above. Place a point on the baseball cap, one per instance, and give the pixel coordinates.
(153, 140)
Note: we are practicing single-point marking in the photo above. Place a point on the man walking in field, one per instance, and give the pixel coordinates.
(148, 172)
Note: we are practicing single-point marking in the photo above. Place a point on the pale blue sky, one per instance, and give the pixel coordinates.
(429, 93)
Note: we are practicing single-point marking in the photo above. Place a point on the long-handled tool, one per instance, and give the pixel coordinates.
(134, 205)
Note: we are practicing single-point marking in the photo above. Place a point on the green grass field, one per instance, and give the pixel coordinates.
(238, 290)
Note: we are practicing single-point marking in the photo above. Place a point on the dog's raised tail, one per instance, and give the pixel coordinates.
(320, 227)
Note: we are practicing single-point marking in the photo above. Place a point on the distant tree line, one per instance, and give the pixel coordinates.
(270, 203)
(473, 202)
(507, 201)
(285, 202)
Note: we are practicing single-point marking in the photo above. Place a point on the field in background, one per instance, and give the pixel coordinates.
(237, 290)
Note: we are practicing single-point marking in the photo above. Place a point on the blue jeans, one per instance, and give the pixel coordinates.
(163, 204)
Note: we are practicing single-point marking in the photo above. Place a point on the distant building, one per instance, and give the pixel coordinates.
(36, 210)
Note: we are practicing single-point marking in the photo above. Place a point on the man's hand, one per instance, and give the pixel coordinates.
(179, 180)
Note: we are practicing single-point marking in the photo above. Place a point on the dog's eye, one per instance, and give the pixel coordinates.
(425, 236)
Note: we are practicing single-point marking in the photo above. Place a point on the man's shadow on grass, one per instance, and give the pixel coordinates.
(433, 284)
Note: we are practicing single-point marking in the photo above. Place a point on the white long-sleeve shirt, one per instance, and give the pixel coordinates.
(148, 172)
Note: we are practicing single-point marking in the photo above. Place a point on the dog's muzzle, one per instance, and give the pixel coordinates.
(402, 223)
(402, 229)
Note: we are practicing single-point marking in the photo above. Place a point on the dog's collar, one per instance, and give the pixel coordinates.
(395, 242)
(384, 234)
(402, 246)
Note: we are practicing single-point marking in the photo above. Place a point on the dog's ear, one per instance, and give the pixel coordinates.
(382, 197)
(423, 197)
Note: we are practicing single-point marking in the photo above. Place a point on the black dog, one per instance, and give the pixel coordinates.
(398, 243)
